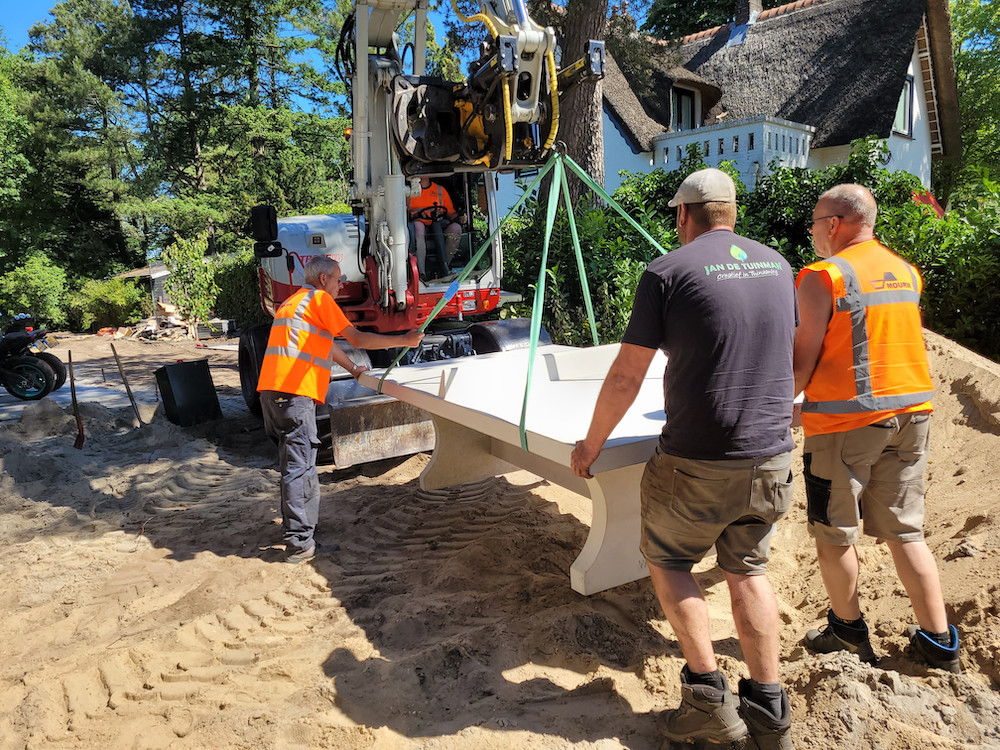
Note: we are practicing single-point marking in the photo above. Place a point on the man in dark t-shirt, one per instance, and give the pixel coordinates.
(722, 308)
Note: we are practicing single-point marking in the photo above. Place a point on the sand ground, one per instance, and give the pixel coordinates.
(144, 603)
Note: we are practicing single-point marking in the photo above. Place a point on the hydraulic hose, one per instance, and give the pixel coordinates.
(508, 124)
(554, 93)
(477, 17)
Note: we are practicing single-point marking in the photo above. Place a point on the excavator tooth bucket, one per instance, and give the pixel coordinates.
(366, 426)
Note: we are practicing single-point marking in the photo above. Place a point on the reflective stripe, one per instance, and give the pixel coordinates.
(295, 326)
(859, 327)
(867, 402)
(857, 303)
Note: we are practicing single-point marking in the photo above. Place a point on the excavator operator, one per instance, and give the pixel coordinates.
(434, 208)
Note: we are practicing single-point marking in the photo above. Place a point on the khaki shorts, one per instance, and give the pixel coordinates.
(875, 473)
(689, 505)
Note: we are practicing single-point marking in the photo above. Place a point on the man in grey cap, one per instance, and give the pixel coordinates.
(722, 307)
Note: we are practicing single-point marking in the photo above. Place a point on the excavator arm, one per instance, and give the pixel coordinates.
(505, 116)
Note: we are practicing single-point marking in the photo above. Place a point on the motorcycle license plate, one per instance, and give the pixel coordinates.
(46, 342)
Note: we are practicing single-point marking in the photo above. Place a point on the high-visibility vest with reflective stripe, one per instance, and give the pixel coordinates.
(873, 364)
(435, 195)
(299, 349)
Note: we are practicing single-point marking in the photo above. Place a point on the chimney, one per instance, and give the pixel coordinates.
(744, 9)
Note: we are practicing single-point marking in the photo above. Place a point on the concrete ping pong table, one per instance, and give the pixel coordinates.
(475, 404)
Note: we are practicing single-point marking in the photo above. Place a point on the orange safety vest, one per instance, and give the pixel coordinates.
(873, 364)
(435, 195)
(299, 351)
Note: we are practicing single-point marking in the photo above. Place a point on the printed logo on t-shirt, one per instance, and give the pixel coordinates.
(744, 268)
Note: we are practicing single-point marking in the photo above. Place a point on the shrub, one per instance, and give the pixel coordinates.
(239, 290)
(107, 303)
(958, 256)
(191, 284)
(36, 286)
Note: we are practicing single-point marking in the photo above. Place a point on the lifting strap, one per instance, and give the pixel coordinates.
(557, 162)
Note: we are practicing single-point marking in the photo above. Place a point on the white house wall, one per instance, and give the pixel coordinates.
(618, 156)
(775, 141)
(911, 155)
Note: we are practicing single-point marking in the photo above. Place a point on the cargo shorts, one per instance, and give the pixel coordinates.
(689, 505)
(870, 476)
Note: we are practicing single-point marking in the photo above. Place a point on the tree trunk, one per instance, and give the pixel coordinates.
(582, 115)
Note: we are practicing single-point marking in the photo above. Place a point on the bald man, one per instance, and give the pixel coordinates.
(859, 357)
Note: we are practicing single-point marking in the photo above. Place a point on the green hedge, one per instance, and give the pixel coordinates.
(107, 303)
(239, 289)
(958, 256)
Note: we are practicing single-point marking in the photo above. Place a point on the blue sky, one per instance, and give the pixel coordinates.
(18, 16)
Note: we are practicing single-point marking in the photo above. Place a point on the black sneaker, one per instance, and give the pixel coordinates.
(925, 649)
(837, 636)
(705, 713)
(767, 731)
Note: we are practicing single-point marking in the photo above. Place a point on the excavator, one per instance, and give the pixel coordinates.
(407, 125)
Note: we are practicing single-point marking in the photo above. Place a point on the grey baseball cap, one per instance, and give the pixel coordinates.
(705, 186)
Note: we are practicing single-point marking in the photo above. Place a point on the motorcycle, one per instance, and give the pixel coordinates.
(26, 370)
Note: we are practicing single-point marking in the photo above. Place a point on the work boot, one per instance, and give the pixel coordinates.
(767, 731)
(839, 636)
(705, 713)
(925, 649)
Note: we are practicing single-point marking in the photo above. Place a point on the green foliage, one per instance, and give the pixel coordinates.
(959, 258)
(106, 303)
(672, 19)
(614, 256)
(239, 290)
(959, 255)
(35, 286)
(77, 143)
(778, 210)
(337, 207)
(975, 26)
(13, 130)
(191, 284)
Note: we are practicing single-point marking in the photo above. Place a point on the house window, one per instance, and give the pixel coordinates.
(679, 153)
(736, 144)
(750, 142)
(666, 154)
(903, 124)
(769, 139)
(683, 109)
(706, 148)
(722, 147)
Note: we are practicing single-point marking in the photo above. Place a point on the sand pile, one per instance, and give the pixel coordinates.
(144, 606)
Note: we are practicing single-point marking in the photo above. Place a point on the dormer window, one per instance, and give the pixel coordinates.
(682, 109)
(903, 124)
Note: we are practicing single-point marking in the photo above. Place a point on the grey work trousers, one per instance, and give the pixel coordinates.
(291, 421)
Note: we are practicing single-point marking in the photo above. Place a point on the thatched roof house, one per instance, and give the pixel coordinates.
(798, 83)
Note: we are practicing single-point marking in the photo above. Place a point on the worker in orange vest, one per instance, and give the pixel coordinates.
(434, 209)
(860, 359)
(294, 377)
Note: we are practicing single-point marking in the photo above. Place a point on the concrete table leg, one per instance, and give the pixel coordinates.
(610, 556)
(460, 455)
